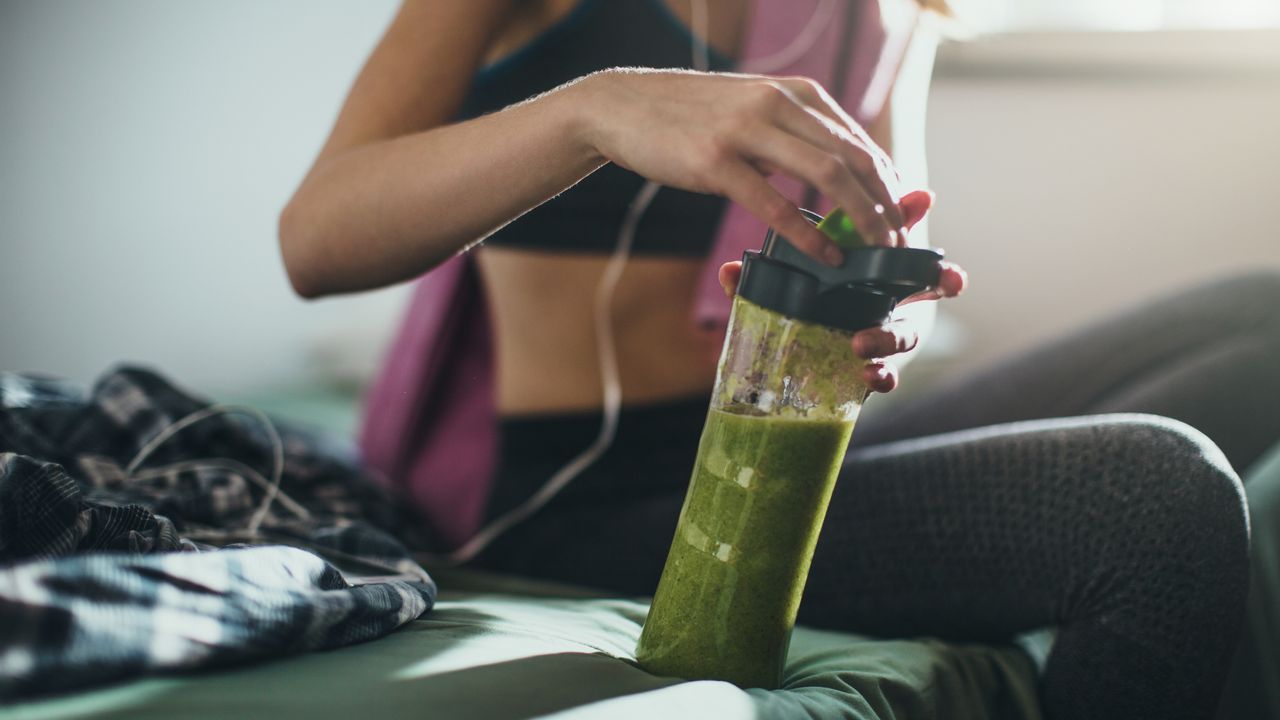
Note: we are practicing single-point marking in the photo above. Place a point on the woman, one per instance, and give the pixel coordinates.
(1126, 532)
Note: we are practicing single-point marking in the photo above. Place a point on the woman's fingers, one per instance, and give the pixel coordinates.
(890, 338)
(952, 280)
(743, 184)
(872, 168)
(813, 96)
(829, 173)
(728, 276)
(879, 376)
(915, 205)
(873, 173)
(876, 176)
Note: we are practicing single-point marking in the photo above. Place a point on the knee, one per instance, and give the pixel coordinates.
(1180, 506)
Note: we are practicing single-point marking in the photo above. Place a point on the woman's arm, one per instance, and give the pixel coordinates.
(396, 190)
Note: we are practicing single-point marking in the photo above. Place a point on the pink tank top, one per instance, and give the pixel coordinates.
(430, 427)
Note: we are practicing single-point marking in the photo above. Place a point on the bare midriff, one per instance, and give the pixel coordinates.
(543, 305)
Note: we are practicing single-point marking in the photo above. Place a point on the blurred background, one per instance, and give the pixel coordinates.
(1087, 154)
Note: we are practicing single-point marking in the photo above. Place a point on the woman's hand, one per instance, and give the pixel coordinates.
(877, 344)
(725, 133)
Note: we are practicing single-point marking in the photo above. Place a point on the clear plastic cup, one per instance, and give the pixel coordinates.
(786, 396)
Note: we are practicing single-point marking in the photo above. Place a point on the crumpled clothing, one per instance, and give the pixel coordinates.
(43, 514)
(206, 481)
(80, 620)
(107, 536)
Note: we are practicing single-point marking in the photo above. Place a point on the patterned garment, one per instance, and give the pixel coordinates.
(73, 621)
(113, 506)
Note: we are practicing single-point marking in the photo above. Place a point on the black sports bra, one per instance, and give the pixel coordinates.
(601, 34)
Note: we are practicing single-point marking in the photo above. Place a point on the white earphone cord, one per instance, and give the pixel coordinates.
(611, 384)
(271, 487)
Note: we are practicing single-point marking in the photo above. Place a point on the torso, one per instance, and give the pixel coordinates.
(543, 302)
(546, 349)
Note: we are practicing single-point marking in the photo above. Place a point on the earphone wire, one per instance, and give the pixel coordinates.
(611, 384)
(271, 487)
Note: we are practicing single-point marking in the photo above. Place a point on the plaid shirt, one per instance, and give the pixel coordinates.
(108, 571)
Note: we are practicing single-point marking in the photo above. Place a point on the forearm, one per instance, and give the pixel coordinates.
(387, 211)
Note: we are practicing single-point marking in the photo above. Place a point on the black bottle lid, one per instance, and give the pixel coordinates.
(861, 293)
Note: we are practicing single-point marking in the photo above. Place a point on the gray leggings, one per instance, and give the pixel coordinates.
(1153, 573)
(1208, 357)
(970, 515)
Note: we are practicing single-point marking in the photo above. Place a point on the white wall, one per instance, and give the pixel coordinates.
(1072, 186)
(146, 147)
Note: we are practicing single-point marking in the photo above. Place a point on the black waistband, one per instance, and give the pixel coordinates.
(653, 451)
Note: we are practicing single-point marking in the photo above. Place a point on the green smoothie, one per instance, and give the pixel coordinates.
(788, 389)
(727, 601)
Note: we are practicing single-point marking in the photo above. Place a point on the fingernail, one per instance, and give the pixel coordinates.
(893, 238)
(832, 255)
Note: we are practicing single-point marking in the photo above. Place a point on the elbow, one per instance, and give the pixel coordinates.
(296, 244)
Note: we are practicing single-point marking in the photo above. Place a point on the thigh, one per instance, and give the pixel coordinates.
(1206, 356)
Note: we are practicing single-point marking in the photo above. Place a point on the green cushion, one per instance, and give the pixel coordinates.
(1253, 689)
(499, 655)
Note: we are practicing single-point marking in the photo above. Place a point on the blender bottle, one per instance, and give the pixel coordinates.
(786, 396)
